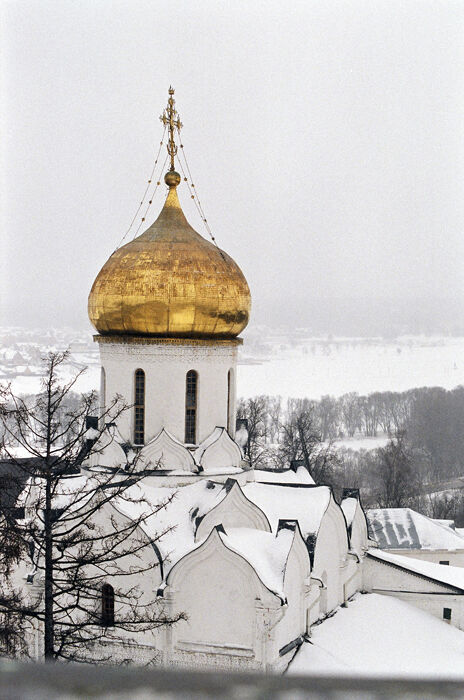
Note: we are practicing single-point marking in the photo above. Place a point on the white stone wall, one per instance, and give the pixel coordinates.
(229, 611)
(331, 558)
(455, 558)
(434, 604)
(359, 535)
(166, 363)
(293, 623)
(380, 577)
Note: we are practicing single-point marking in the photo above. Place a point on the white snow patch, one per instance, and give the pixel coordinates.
(348, 506)
(264, 551)
(342, 366)
(177, 517)
(361, 443)
(302, 476)
(382, 636)
(307, 505)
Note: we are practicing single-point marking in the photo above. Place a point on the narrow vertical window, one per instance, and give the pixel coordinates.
(229, 402)
(107, 601)
(102, 391)
(191, 407)
(447, 613)
(139, 407)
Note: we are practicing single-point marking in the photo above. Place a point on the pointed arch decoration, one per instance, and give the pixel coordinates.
(165, 452)
(218, 450)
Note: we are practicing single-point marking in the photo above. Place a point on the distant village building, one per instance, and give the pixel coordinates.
(254, 559)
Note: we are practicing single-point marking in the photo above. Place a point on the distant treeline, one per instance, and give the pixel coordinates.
(425, 428)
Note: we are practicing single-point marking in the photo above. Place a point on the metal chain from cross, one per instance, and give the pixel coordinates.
(170, 118)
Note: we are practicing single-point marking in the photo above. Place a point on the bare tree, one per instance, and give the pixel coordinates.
(301, 440)
(274, 417)
(370, 414)
(84, 533)
(350, 408)
(394, 474)
(255, 411)
(328, 413)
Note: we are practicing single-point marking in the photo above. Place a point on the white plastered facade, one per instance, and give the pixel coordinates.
(430, 595)
(165, 362)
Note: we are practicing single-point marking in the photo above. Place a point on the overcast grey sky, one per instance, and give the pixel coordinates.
(325, 140)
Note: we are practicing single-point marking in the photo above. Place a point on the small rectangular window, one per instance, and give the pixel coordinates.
(447, 613)
(446, 563)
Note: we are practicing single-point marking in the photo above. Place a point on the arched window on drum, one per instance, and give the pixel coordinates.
(191, 391)
(139, 407)
(230, 403)
(107, 605)
(102, 393)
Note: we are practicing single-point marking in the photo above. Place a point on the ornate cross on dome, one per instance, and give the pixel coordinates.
(170, 118)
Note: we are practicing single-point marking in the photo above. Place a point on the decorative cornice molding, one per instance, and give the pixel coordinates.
(158, 352)
(148, 340)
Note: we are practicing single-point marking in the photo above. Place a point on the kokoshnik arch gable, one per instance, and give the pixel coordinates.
(253, 558)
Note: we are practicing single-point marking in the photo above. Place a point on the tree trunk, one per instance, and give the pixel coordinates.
(48, 592)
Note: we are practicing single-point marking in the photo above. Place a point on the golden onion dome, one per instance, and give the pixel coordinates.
(170, 282)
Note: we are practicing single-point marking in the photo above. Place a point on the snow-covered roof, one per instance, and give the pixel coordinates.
(307, 504)
(266, 552)
(70, 491)
(348, 506)
(447, 523)
(404, 528)
(301, 476)
(380, 635)
(449, 575)
(177, 516)
(184, 506)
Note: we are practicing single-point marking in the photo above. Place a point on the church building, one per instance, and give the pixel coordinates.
(253, 558)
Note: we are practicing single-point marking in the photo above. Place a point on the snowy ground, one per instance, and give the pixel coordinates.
(315, 367)
(344, 365)
(362, 443)
(382, 636)
(32, 385)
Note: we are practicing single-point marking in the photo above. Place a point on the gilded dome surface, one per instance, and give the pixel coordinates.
(170, 282)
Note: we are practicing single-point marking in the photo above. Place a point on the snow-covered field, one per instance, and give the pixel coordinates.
(89, 380)
(315, 367)
(382, 636)
(338, 367)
